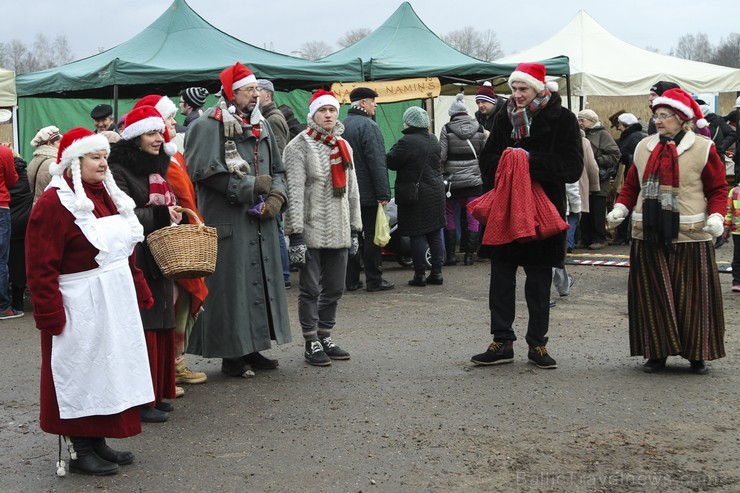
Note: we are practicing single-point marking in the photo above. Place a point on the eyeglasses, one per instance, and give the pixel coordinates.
(251, 89)
(663, 116)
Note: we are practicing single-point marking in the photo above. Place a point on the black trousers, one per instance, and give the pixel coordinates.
(593, 223)
(502, 302)
(371, 253)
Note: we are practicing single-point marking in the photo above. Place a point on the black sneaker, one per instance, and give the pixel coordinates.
(332, 350)
(654, 365)
(496, 354)
(315, 354)
(538, 355)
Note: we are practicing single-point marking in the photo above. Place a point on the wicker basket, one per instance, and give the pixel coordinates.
(185, 251)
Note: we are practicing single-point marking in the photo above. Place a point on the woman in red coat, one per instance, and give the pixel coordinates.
(86, 292)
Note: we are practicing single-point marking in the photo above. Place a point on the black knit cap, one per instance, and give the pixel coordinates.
(195, 96)
(101, 111)
(362, 93)
(663, 85)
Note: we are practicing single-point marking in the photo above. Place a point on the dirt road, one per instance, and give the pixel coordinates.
(410, 413)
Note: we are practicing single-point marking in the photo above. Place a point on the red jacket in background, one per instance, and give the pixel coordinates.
(8, 175)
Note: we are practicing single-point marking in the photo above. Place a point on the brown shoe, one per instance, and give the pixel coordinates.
(186, 375)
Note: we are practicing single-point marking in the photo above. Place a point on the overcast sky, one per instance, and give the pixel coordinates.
(284, 26)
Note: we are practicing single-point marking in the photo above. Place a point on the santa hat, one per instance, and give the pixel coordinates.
(532, 74)
(163, 104)
(486, 93)
(683, 104)
(73, 146)
(321, 98)
(234, 77)
(146, 119)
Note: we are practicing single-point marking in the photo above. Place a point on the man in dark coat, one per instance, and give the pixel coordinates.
(368, 149)
(631, 134)
(488, 106)
(240, 186)
(534, 121)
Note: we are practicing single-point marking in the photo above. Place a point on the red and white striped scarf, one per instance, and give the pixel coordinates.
(159, 191)
(339, 159)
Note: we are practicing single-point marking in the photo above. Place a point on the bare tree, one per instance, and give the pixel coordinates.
(16, 56)
(44, 54)
(313, 50)
(353, 36)
(727, 53)
(694, 47)
(62, 51)
(483, 45)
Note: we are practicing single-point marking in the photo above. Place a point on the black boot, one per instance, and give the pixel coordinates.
(471, 245)
(418, 280)
(450, 243)
(436, 276)
(105, 452)
(87, 461)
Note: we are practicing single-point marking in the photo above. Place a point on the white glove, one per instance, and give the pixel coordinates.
(617, 215)
(232, 126)
(715, 225)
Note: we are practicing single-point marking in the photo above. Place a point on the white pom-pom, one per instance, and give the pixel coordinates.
(701, 123)
(552, 86)
(170, 149)
(232, 109)
(61, 471)
(460, 96)
(488, 83)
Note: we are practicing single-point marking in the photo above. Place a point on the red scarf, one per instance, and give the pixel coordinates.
(660, 194)
(339, 159)
(159, 191)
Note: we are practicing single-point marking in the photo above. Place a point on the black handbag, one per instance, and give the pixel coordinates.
(408, 193)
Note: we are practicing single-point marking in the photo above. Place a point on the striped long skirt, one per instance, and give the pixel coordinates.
(675, 301)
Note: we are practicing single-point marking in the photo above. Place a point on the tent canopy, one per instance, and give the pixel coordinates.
(7, 88)
(180, 47)
(603, 65)
(404, 47)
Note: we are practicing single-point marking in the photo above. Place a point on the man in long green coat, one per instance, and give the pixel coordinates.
(239, 176)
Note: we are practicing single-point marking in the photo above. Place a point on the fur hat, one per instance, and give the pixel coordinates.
(683, 104)
(359, 93)
(143, 119)
(321, 98)
(234, 77)
(486, 93)
(73, 146)
(101, 111)
(46, 135)
(588, 115)
(458, 106)
(163, 104)
(195, 96)
(415, 116)
(627, 119)
(663, 85)
(532, 74)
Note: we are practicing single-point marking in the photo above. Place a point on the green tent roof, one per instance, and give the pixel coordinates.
(180, 47)
(405, 47)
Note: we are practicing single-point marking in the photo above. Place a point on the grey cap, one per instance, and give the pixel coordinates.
(265, 85)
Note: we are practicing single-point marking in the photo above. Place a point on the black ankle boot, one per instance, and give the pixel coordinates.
(450, 242)
(87, 461)
(471, 245)
(418, 280)
(436, 275)
(105, 452)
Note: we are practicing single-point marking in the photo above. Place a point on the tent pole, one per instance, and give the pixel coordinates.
(581, 104)
(115, 103)
(567, 86)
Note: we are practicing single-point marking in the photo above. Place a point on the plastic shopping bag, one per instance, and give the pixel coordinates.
(382, 227)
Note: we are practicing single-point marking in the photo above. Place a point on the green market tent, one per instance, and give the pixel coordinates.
(404, 47)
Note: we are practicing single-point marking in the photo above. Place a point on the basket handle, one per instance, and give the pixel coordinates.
(192, 215)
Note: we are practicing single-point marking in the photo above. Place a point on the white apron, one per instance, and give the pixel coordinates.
(99, 362)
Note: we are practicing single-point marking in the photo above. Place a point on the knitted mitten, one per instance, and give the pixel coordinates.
(234, 161)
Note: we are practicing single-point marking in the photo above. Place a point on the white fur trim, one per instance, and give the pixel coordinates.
(518, 76)
(143, 126)
(77, 149)
(675, 104)
(243, 82)
(325, 100)
(166, 107)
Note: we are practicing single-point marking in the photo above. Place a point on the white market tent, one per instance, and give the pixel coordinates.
(603, 65)
(7, 88)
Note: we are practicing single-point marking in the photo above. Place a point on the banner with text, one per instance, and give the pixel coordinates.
(391, 91)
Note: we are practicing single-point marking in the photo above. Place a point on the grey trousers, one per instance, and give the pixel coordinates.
(321, 286)
(561, 281)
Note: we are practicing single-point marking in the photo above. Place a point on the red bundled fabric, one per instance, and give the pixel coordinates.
(519, 209)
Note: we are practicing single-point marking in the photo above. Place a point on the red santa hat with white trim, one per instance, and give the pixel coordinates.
(234, 77)
(683, 104)
(321, 98)
(163, 104)
(532, 74)
(146, 119)
(75, 144)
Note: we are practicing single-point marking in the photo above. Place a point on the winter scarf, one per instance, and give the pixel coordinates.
(339, 159)
(660, 193)
(521, 118)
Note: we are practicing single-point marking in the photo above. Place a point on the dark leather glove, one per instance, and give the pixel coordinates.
(262, 184)
(272, 207)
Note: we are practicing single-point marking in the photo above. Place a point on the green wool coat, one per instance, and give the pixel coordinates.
(246, 306)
